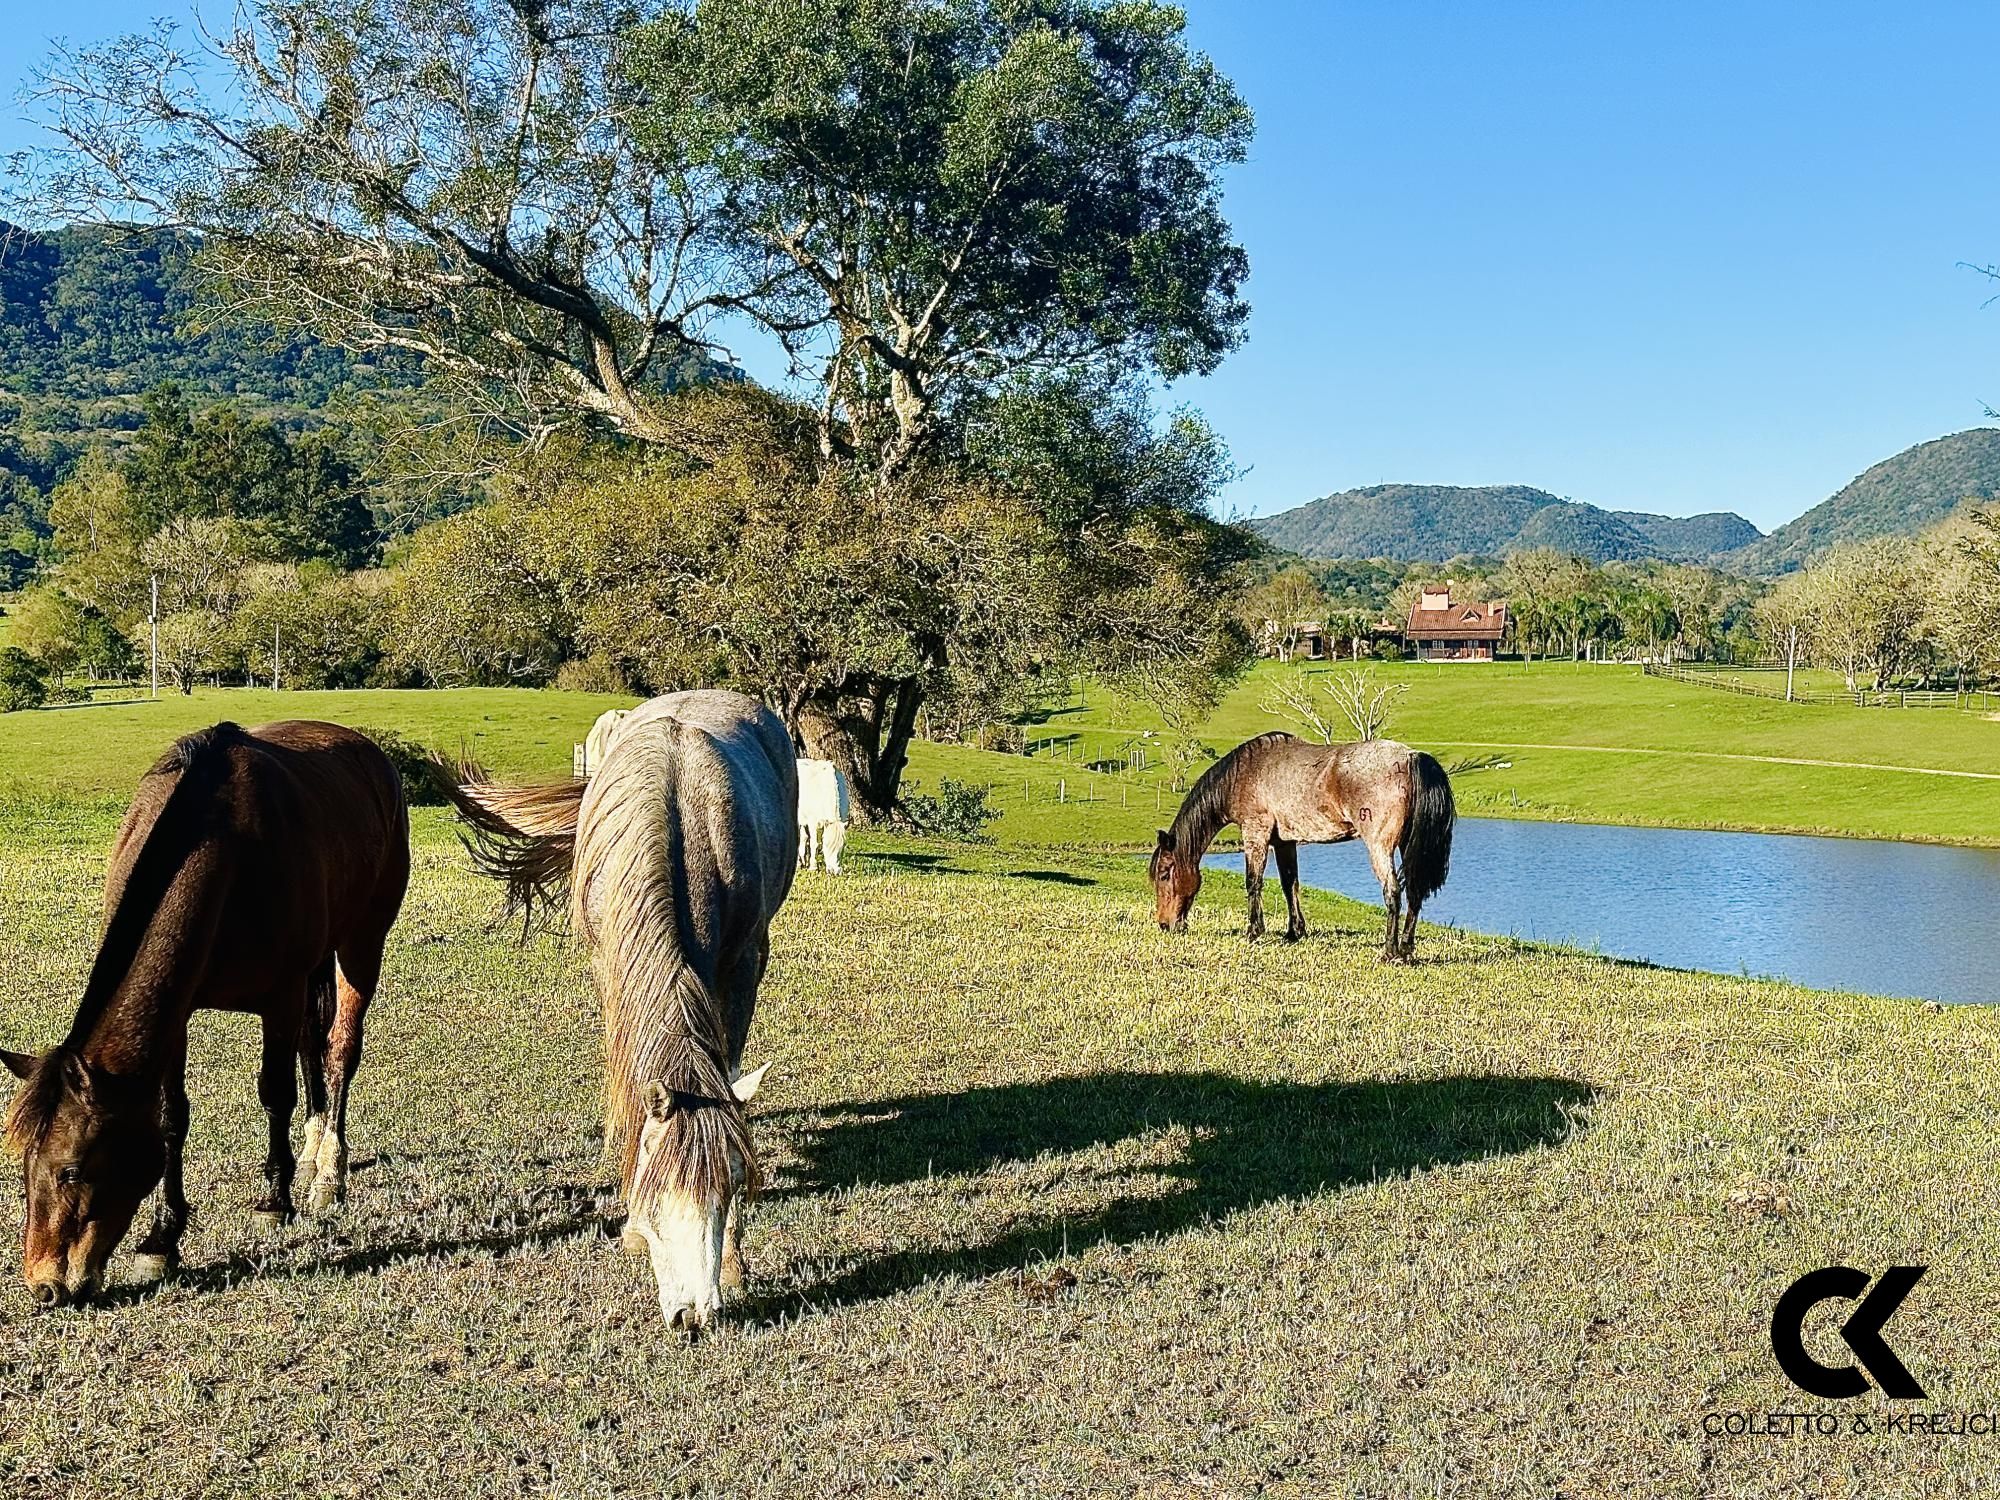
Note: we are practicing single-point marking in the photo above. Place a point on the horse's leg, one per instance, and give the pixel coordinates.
(1288, 876)
(355, 974)
(832, 839)
(805, 846)
(159, 1252)
(312, 1072)
(741, 1000)
(733, 1273)
(278, 1092)
(1255, 846)
(1383, 858)
(1411, 907)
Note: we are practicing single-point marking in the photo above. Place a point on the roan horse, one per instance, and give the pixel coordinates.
(676, 853)
(1283, 791)
(256, 871)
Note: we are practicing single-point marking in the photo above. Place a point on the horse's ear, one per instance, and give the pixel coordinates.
(659, 1100)
(20, 1064)
(745, 1088)
(104, 1093)
(1166, 840)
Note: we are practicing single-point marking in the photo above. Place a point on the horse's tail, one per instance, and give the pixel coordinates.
(523, 836)
(1427, 835)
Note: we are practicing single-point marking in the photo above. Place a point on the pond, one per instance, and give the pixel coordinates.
(1845, 914)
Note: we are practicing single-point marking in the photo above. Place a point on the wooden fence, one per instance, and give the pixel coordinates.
(1732, 680)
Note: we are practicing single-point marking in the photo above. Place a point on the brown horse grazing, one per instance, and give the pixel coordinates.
(1283, 791)
(676, 853)
(256, 871)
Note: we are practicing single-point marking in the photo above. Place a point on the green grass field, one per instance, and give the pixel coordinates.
(1553, 740)
(1606, 744)
(1059, 1205)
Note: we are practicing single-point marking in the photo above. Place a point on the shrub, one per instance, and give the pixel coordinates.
(596, 673)
(959, 811)
(413, 764)
(22, 684)
(1008, 739)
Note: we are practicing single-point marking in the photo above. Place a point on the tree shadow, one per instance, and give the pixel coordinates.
(912, 861)
(1054, 877)
(1247, 1144)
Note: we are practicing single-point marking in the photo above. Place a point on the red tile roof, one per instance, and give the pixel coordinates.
(1458, 620)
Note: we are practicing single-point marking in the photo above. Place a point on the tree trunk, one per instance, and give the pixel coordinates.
(866, 732)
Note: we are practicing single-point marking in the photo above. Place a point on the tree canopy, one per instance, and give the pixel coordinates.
(552, 203)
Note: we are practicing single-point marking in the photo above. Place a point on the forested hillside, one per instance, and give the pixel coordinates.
(91, 321)
(1900, 496)
(102, 330)
(1432, 523)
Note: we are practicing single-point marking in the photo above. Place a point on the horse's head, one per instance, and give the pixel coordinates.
(1176, 879)
(91, 1150)
(694, 1158)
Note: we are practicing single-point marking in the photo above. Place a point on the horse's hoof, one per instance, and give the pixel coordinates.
(1293, 937)
(269, 1220)
(149, 1268)
(325, 1197)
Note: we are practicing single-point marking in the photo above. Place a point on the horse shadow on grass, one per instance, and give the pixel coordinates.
(1247, 1144)
(554, 1213)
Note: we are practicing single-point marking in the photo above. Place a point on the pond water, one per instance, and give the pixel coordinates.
(1848, 914)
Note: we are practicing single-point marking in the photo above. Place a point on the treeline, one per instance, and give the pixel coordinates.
(600, 566)
(1559, 604)
(1912, 610)
(252, 533)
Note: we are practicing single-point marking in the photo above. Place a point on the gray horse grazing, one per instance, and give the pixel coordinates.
(1283, 791)
(676, 853)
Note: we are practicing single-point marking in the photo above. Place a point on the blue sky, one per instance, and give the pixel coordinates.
(1686, 257)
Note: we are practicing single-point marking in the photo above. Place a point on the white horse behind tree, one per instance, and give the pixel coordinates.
(823, 814)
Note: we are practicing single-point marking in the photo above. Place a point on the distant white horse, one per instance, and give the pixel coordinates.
(823, 813)
(597, 743)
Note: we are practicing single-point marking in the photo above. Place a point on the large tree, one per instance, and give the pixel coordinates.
(939, 194)
(847, 605)
(952, 214)
(556, 204)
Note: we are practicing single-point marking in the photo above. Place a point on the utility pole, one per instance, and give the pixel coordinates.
(154, 620)
(1791, 657)
(274, 656)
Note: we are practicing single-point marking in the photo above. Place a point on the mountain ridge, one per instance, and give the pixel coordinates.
(1901, 495)
(1434, 523)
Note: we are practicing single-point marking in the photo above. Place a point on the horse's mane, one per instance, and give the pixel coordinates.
(663, 1021)
(1208, 805)
(200, 761)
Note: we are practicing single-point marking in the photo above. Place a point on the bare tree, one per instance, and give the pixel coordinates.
(1348, 705)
